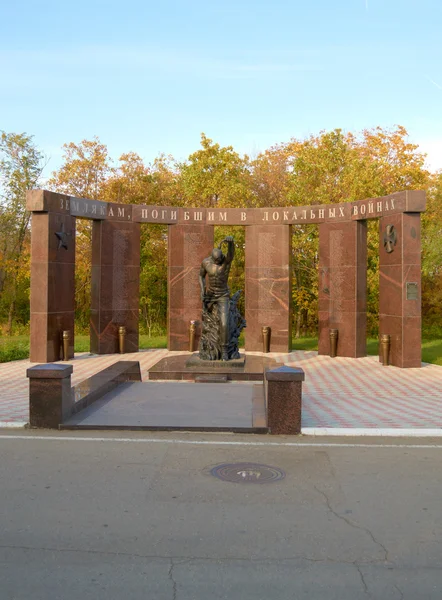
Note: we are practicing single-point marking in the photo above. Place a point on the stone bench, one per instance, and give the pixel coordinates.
(284, 400)
(52, 400)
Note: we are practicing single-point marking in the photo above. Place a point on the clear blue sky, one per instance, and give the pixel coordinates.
(150, 77)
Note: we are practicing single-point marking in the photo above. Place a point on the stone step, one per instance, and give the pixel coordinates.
(211, 379)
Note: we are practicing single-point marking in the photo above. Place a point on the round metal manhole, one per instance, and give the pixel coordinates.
(247, 473)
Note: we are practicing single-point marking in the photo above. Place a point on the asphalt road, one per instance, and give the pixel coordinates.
(105, 519)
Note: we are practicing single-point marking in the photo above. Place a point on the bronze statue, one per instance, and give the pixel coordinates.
(222, 322)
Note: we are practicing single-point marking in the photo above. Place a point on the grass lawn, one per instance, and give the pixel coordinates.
(17, 347)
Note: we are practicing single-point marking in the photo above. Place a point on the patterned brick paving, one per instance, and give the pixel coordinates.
(337, 393)
(349, 393)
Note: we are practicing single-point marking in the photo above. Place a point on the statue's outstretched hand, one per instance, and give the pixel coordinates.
(229, 238)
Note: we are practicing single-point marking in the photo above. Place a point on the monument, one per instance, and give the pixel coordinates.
(115, 274)
(221, 320)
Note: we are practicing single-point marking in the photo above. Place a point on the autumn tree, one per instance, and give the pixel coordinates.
(21, 166)
(83, 174)
(158, 183)
(270, 176)
(338, 167)
(216, 176)
(432, 257)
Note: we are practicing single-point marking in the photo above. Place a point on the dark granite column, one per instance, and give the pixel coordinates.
(52, 284)
(268, 286)
(115, 284)
(400, 287)
(343, 286)
(188, 245)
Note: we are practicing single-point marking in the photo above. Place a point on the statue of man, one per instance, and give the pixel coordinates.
(215, 288)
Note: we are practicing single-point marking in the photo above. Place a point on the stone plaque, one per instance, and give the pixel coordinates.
(412, 291)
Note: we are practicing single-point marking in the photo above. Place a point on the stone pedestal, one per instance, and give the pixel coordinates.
(52, 284)
(343, 286)
(268, 286)
(284, 400)
(188, 245)
(50, 395)
(115, 285)
(400, 287)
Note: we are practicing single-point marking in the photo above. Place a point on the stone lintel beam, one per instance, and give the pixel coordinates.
(370, 208)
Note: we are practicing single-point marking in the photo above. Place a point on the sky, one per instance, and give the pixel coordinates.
(151, 77)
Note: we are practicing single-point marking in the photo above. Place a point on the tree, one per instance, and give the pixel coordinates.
(338, 167)
(271, 174)
(432, 255)
(216, 177)
(83, 174)
(21, 166)
(85, 170)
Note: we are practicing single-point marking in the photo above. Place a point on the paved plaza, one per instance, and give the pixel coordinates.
(340, 395)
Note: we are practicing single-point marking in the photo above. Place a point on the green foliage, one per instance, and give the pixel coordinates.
(21, 165)
(331, 167)
(153, 279)
(215, 177)
(14, 348)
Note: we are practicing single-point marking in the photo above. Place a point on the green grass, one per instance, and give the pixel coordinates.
(14, 348)
(431, 349)
(17, 347)
(159, 341)
(305, 343)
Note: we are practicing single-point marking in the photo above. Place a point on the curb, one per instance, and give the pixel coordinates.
(11, 424)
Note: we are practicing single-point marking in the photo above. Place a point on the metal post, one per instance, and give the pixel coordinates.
(266, 339)
(66, 336)
(333, 342)
(385, 349)
(121, 338)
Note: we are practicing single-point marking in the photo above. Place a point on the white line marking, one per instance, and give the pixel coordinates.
(371, 432)
(214, 442)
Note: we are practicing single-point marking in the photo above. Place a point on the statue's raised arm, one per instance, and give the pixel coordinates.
(230, 249)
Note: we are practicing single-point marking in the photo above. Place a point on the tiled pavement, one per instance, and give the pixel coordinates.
(339, 393)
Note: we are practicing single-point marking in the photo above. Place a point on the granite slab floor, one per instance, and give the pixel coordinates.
(172, 405)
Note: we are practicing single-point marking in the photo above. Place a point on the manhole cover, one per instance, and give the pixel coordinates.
(247, 473)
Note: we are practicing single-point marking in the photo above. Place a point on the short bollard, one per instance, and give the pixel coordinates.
(266, 339)
(284, 400)
(66, 337)
(50, 395)
(192, 333)
(121, 339)
(385, 349)
(333, 342)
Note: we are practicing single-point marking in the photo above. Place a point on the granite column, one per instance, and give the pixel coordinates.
(188, 246)
(268, 286)
(343, 286)
(400, 287)
(115, 284)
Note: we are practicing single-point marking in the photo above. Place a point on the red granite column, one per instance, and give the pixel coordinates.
(115, 284)
(268, 286)
(400, 287)
(343, 286)
(188, 245)
(52, 284)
